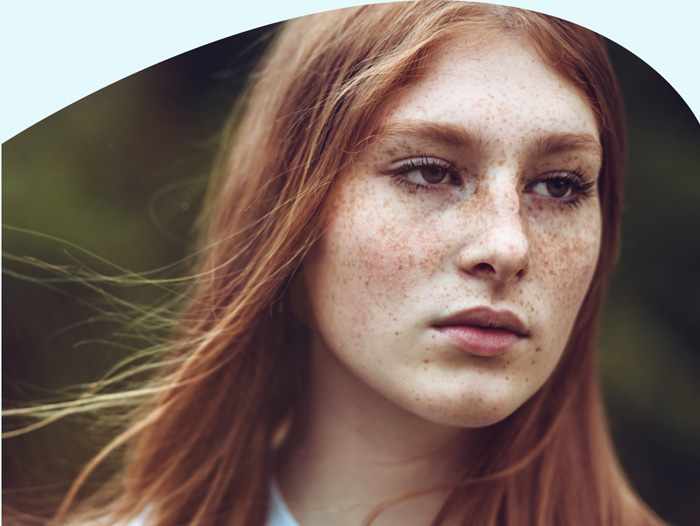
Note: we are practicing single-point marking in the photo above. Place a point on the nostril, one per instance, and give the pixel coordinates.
(503, 258)
(484, 267)
(524, 269)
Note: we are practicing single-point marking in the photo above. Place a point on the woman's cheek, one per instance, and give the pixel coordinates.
(578, 262)
(565, 250)
(563, 268)
(380, 259)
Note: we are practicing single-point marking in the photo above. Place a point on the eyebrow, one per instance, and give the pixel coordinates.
(564, 142)
(446, 133)
(457, 135)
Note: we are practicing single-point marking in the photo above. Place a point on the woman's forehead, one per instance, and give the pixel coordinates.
(497, 93)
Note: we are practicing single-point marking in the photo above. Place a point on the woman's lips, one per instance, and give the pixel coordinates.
(483, 331)
(481, 341)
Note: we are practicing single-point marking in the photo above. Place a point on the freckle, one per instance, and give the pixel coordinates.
(539, 349)
(533, 362)
(396, 333)
(503, 367)
(426, 361)
(507, 378)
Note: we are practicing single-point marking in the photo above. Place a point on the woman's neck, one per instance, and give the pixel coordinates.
(360, 450)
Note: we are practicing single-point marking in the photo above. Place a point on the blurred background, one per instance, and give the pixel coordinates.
(113, 184)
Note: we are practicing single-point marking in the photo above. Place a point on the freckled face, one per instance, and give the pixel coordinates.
(476, 206)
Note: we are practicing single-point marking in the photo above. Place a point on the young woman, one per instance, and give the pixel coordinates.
(409, 233)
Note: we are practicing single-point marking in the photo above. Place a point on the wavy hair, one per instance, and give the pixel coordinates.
(201, 448)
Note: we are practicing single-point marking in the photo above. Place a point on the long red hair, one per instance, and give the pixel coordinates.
(202, 448)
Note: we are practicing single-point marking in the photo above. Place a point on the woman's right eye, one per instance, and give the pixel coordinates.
(426, 173)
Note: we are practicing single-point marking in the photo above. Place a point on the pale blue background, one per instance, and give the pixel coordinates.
(54, 53)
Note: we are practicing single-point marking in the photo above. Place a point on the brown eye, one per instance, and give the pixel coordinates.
(425, 173)
(428, 174)
(558, 188)
(559, 185)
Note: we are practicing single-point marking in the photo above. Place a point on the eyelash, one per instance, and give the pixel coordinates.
(400, 179)
(579, 189)
(399, 174)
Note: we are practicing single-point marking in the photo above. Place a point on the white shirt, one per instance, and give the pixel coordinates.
(278, 514)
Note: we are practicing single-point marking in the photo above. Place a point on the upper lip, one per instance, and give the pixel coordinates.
(486, 317)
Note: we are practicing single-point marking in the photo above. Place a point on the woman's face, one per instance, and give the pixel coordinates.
(462, 241)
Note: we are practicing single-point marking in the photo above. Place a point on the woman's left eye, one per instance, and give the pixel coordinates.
(557, 188)
(565, 186)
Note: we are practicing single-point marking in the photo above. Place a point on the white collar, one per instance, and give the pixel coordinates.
(278, 513)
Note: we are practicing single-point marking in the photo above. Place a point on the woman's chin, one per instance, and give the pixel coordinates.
(464, 411)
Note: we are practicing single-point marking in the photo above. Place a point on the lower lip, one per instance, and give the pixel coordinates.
(481, 341)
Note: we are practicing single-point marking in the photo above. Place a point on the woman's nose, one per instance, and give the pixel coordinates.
(499, 249)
